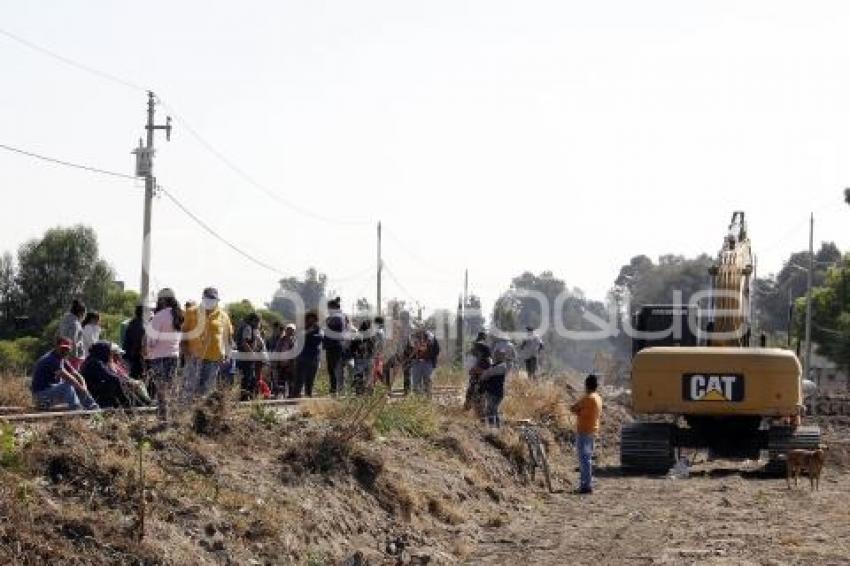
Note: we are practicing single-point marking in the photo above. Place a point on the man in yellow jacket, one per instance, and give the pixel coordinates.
(207, 343)
(588, 410)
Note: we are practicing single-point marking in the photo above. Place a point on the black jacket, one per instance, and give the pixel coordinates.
(103, 384)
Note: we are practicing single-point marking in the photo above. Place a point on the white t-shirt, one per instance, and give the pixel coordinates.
(91, 334)
(530, 347)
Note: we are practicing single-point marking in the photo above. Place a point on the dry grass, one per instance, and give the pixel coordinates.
(546, 403)
(14, 391)
(396, 496)
(512, 447)
(444, 511)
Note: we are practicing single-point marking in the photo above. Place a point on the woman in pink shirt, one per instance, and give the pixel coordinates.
(163, 337)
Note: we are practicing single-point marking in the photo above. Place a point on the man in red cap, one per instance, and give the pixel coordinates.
(55, 382)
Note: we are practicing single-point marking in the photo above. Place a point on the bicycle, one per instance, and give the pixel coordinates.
(537, 452)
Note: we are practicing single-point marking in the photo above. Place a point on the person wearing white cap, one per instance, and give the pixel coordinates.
(208, 336)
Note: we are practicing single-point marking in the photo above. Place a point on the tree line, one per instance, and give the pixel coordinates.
(39, 282)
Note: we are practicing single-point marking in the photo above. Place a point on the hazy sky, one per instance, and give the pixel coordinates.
(498, 136)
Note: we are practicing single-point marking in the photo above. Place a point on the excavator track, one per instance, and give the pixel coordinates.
(647, 447)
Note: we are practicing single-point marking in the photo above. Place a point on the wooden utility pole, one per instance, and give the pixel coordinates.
(380, 268)
(807, 366)
(459, 329)
(144, 168)
(463, 313)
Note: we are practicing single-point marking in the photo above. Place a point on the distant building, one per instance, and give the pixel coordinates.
(828, 376)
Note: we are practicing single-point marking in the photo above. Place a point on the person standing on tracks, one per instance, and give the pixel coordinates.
(248, 341)
(207, 334)
(309, 347)
(91, 330)
(283, 368)
(134, 344)
(529, 352)
(71, 329)
(426, 351)
(492, 386)
(502, 346)
(336, 327)
(480, 353)
(588, 411)
(164, 337)
(363, 353)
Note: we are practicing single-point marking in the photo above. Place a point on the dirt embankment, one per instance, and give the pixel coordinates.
(389, 483)
(364, 480)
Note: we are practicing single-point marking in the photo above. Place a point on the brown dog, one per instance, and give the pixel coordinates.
(810, 461)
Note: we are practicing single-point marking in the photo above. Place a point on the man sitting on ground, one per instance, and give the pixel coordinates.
(55, 382)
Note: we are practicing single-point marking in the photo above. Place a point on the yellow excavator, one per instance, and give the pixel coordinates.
(693, 364)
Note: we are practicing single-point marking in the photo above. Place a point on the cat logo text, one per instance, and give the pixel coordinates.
(713, 387)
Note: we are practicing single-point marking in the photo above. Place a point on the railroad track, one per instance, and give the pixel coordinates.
(21, 414)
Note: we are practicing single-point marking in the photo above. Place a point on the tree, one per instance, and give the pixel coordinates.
(58, 267)
(772, 293)
(238, 311)
(646, 283)
(312, 290)
(516, 309)
(830, 315)
(121, 302)
(10, 296)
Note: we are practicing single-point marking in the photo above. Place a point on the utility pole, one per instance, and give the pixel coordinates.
(790, 315)
(380, 267)
(459, 330)
(807, 366)
(463, 313)
(144, 168)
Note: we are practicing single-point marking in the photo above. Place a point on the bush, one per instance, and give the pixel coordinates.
(18, 356)
(413, 415)
(111, 327)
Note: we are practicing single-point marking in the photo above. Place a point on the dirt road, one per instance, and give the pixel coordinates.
(717, 516)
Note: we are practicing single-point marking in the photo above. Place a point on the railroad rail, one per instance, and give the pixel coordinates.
(21, 414)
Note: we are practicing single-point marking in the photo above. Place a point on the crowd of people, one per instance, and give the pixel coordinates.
(178, 353)
(181, 352)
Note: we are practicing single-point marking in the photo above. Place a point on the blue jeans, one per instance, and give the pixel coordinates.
(584, 448)
(420, 377)
(63, 393)
(199, 378)
(162, 372)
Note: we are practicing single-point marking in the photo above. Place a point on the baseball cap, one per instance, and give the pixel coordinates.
(116, 349)
(289, 326)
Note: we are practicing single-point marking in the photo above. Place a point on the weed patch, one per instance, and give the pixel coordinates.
(413, 415)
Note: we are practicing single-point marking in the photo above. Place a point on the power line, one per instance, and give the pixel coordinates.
(215, 234)
(162, 189)
(192, 131)
(430, 268)
(256, 184)
(67, 163)
(72, 63)
(402, 288)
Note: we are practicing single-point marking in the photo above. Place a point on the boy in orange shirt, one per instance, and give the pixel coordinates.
(587, 410)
